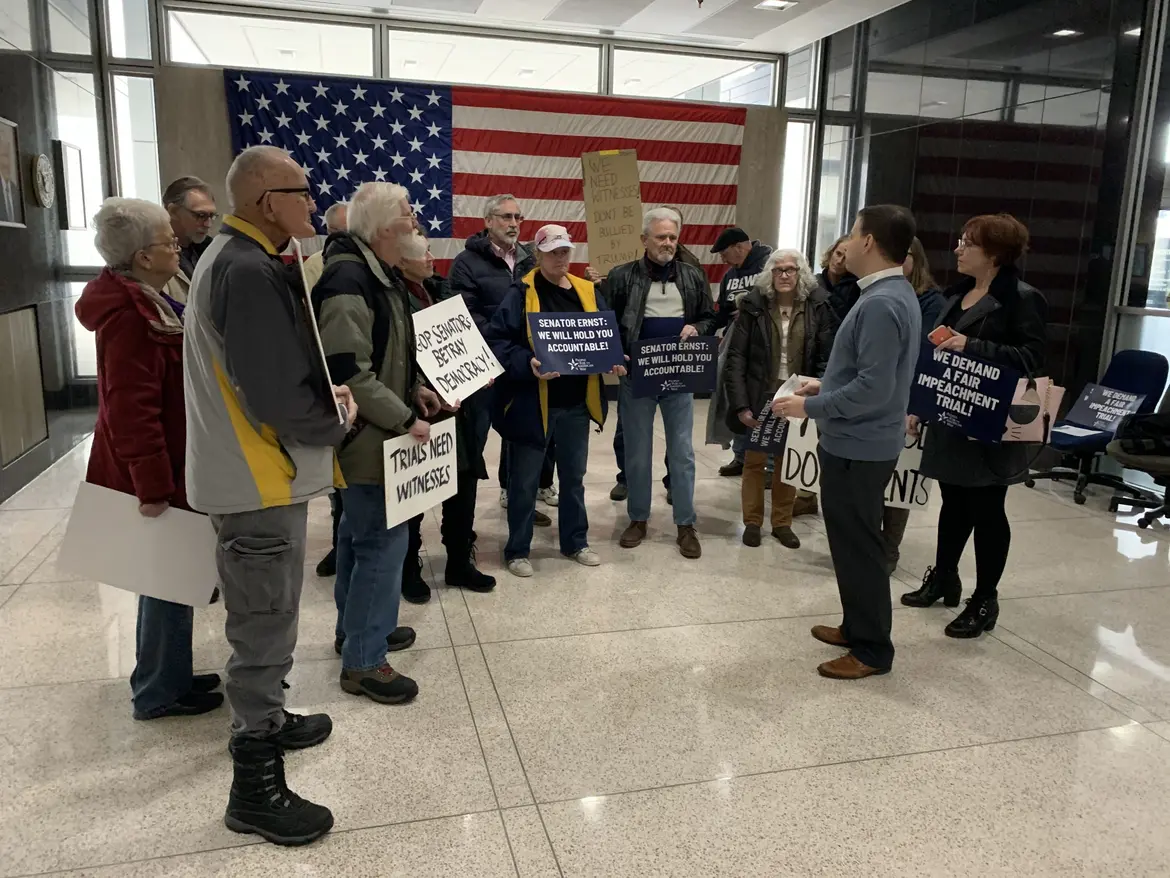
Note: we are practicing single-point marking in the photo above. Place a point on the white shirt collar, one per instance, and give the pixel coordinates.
(895, 271)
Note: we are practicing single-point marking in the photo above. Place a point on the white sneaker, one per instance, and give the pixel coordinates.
(549, 495)
(588, 558)
(504, 497)
(521, 567)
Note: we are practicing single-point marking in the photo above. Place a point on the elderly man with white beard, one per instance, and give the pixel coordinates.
(364, 314)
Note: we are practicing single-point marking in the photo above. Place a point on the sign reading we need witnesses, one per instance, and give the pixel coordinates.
(962, 392)
(451, 351)
(419, 475)
(576, 343)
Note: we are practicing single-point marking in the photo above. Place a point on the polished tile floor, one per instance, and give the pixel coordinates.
(651, 717)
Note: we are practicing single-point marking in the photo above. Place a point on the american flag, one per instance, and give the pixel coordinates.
(453, 147)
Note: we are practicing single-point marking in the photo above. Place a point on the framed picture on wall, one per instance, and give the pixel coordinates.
(11, 181)
(70, 186)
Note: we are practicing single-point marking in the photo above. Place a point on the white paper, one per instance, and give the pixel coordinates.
(342, 417)
(419, 475)
(451, 351)
(790, 386)
(1070, 430)
(108, 540)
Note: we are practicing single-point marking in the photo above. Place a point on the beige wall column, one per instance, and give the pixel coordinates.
(761, 171)
(193, 133)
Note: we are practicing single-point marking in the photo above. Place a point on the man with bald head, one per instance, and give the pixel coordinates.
(262, 422)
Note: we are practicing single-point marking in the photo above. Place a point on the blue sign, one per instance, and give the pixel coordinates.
(770, 434)
(674, 365)
(662, 327)
(576, 343)
(1102, 408)
(962, 392)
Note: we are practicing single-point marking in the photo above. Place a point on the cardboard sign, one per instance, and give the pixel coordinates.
(451, 350)
(576, 343)
(1102, 408)
(963, 392)
(769, 435)
(801, 467)
(108, 540)
(613, 207)
(674, 365)
(419, 475)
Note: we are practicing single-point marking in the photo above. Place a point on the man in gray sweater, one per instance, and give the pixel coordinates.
(860, 410)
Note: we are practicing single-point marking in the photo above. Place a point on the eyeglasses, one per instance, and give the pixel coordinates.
(204, 216)
(510, 217)
(786, 272)
(964, 243)
(302, 191)
(172, 245)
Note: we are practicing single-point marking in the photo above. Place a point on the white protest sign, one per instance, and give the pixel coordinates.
(419, 475)
(451, 351)
(801, 468)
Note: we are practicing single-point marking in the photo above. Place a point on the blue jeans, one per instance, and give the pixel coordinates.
(619, 452)
(569, 430)
(369, 576)
(678, 417)
(162, 673)
(738, 447)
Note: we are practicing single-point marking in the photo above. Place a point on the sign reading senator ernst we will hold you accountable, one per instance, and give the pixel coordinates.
(419, 475)
(962, 392)
(576, 342)
(451, 351)
(674, 365)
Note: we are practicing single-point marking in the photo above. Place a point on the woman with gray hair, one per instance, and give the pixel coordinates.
(785, 327)
(139, 443)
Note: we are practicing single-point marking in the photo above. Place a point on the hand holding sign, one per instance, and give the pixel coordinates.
(954, 342)
(688, 331)
(420, 430)
(745, 418)
(427, 401)
(543, 376)
(421, 470)
(344, 397)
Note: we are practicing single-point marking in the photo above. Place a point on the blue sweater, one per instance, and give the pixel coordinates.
(861, 409)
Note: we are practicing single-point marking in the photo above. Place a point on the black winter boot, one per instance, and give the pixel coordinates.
(261, 802)
(414, 588)
(978, 616)
(935, 584)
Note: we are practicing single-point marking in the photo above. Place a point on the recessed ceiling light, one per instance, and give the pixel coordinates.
(775, 4)
(525, 72)
(408, 62)
(1136, 32)
(1066, 32)
(632, 81)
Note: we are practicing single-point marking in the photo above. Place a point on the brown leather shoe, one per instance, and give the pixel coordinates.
(805, 504)
(831, 636)
(848, 668)
(688, 542)
(633, 535)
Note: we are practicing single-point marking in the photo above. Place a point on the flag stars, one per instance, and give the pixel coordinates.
(379, 142)
(322, 123)
(343, 173)
(246, 118)
(432, 99)
(433, 130)
(379, 174)
(415, 113)
(341, 140)
(242, 84)
(396, 127)
(265, 136)
(302, 105)
(323, 155)
(359, 127)
(416, 206)
(398, 159)
(282, 120)
(323, 187)
(360, 157)
(435, 224)
(415, 145)
(378, 110)
(396, 96)
(320, 90)
(303, 138)
(435, 192)
(281, 87)
(434, 161)
(359, 93)
(263, 103)
(339, 108)
(416, 176)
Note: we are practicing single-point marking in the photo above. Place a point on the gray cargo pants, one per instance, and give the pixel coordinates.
(260, 557)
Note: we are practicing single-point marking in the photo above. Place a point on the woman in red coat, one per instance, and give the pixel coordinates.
(140, 437)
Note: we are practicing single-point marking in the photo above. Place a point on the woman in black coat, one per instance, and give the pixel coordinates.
(785, 326)
(995, 316)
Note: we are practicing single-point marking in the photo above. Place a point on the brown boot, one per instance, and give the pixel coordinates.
(805, 504)
(688, 542)
(633, 535)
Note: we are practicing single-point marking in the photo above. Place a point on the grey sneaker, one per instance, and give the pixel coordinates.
(521, 567)
(587, 558)
(549, 495)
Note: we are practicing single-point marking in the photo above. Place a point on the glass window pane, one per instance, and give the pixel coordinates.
(136, 139)
(69, 27)
(129, 28)
(839, 86)
(831, 218)
(15, 30)
(77, 124)
(1058, 105)
(795, 185)
(429, 56)
(935, 97)
(692, 77)
(801, 78)
(269, 43)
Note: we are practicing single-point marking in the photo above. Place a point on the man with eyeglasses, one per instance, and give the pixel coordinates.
(262, 423)
(191, 206)
(483, 273)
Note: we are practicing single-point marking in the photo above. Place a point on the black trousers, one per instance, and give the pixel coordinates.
(852, 500)
(546, 469)
(457, 525)
(978, 510)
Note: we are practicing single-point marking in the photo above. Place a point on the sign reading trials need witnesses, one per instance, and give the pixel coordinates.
(613, 207)
(674, 365)
(576, 343)
(451, 351)
(419, 475)
(962, 392)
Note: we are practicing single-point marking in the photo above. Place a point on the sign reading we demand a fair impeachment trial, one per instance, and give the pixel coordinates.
(962, 392)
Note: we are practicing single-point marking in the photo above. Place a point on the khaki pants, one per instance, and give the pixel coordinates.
(752, 492)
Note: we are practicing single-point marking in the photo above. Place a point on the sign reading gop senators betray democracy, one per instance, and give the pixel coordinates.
(451, 351)
(419, 475)
(962, 392)
(576, 343)
(674, 365)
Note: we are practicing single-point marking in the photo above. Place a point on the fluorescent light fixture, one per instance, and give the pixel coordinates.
(632, 81)
(408, 62)
(1136, 32)
(1066, 32)
(775, 4)
(525, 73)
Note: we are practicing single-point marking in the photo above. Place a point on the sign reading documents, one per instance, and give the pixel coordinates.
(962, 392)
(674, 365)
(451, 351)
(576, 342)
(613, 207)
(419, 475)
